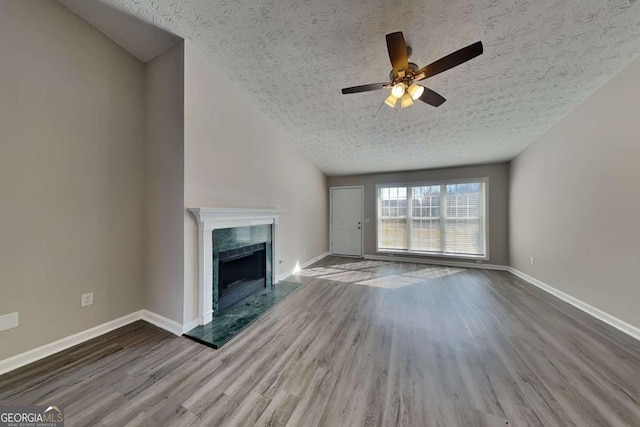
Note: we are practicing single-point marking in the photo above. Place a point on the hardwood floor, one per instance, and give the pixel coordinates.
(411, 345)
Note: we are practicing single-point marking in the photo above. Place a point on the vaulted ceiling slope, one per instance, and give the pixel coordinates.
(143, 40)
(541, 58)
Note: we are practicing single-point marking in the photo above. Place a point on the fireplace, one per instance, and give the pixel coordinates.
(242, 263)
(231, 229)
(241, 272)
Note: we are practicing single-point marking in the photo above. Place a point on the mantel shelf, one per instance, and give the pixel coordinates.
(221, 213)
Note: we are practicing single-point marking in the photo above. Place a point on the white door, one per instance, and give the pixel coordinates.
(346, 221)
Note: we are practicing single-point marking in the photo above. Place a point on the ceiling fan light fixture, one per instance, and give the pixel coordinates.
(415, 90)
(391, 101)
(398, 90)
(406, 101)
(404, 74)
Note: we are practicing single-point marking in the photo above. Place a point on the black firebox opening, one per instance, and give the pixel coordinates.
(242, 272)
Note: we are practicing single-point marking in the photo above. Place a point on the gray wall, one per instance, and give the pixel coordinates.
(575, 201)
(236, 157)
(165, 183)
(498, 175)
(71, 175)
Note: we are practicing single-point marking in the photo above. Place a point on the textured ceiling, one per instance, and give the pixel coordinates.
(293, 56)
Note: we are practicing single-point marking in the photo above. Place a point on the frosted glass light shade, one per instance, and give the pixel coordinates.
(398, 90)
(391, 101)
(415, 90)
(406, 101)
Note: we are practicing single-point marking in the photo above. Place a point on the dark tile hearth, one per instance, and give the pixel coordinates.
(236, 318)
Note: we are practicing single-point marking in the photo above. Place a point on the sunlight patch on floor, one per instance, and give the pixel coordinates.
(352, 276)
(434, 272)
(391, 282)
(380, 274)
(361, 265)
(318, 271)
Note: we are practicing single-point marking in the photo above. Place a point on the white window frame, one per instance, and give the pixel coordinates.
(484, 224)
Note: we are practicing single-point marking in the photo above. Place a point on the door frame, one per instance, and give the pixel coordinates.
(346, 187)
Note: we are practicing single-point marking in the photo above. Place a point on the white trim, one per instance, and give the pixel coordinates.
(162, 322)
(433, 254)
(432, 182)
(228, 213)
(304, 265)
(189, 326)
(437, 262)
(621, 325)
(33, 355)
(46, 350)
(361, 188)
(210, 219)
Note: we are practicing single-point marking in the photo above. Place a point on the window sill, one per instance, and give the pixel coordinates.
(433, 254)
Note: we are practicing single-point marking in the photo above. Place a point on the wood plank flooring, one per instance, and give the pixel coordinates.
(363, 343)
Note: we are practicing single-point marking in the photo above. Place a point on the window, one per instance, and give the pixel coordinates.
(443, 218)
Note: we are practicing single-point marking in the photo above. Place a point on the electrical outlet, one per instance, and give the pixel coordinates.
(533, 261)
(304, 251)
(86, 299)
(9, 321)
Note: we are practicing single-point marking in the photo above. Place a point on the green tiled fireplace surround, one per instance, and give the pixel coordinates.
(240, 239)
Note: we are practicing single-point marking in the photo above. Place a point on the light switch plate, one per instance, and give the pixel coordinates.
(9, 321)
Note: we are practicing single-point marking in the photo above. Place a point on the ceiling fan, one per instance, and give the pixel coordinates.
(405, 74)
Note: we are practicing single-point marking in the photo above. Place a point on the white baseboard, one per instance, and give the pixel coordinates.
(46, 350)
(162, 322)
(190, 325)
(437, 262)
(589, 309)
(302, 266)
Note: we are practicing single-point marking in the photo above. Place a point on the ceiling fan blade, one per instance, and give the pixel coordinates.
(452, 60)
(364, 88)
(432, 98)
(397, 51)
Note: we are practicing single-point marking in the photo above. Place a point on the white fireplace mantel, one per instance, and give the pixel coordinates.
(210, 219)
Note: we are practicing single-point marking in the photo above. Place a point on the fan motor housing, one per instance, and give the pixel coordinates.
(409, 74)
